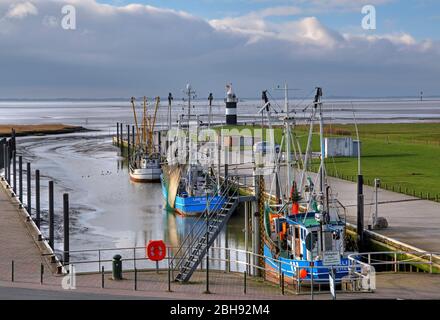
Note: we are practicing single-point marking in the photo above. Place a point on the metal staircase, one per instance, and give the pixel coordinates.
(206, 229)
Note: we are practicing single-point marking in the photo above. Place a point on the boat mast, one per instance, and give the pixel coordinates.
(287, 126)
(318, 104)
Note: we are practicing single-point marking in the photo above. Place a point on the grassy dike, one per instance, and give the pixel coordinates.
(406, 157)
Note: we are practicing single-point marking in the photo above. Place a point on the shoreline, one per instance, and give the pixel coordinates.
(39, 129)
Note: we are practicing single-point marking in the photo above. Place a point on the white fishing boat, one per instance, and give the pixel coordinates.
(145, 161)
(146, 169)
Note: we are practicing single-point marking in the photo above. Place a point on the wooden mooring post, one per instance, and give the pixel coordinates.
(117, 133)
(37, 198)
(28, 189)
(66, 227)
(51, 216)
(20, 179)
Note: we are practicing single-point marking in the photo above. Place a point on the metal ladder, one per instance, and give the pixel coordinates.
(206, 229)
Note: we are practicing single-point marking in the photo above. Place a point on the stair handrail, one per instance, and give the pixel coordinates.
(196, 234)
(201, 232)
(226, 187)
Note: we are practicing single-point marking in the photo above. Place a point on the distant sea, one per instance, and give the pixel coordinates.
(103, 114)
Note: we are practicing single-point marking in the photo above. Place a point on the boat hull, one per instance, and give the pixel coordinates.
(145, 175)
(290, 268)
(191, 206)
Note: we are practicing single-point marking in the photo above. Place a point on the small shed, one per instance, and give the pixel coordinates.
(341, 147)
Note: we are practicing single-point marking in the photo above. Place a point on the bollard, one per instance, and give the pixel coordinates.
(28, 186)
(12, 271)
(117, 267)
(20, 178)
(66, 227)
(51, 215)
(37, 198)
(41, 273)
(102, 277)
(245, 284)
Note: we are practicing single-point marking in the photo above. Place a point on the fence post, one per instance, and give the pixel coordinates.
(37, 198)
(29, 192)
(282, 283)
(244, 289)
(169, 269)
(41, 273)
(102, 277)
(135, 279)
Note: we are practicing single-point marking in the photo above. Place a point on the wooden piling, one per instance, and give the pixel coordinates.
(20, 178)
(66, 227)
(28, 189)
(51, 215)
(117, 133)
(37, 198)
(14, 170)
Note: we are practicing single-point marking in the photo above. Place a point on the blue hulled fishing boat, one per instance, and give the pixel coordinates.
(304, 235)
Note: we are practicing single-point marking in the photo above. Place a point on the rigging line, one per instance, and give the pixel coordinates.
(276, 103)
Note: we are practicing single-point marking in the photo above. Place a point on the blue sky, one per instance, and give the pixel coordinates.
(122, 48)
(421, 18)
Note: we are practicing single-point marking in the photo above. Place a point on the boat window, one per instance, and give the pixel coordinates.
(311, 240)
(296, 232)
(328, 241)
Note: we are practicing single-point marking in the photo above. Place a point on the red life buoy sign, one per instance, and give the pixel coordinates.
(156, 250)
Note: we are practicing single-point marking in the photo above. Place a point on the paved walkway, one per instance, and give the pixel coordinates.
(16, 243)
(152, 286)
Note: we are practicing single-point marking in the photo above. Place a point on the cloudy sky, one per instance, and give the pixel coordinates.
(122, 48)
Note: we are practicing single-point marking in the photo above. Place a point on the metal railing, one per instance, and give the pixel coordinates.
(427, 261)
(200, 228)
(360, 277)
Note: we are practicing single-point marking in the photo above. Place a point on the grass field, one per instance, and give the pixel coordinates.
(406, 157)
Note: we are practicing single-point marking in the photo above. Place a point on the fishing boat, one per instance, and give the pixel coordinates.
(145, 161)
(186, 187)
(303, 232)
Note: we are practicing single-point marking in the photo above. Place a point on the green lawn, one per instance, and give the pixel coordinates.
(406, 157)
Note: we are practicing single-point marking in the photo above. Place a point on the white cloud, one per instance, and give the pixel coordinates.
(22, 10)
(137, 50)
